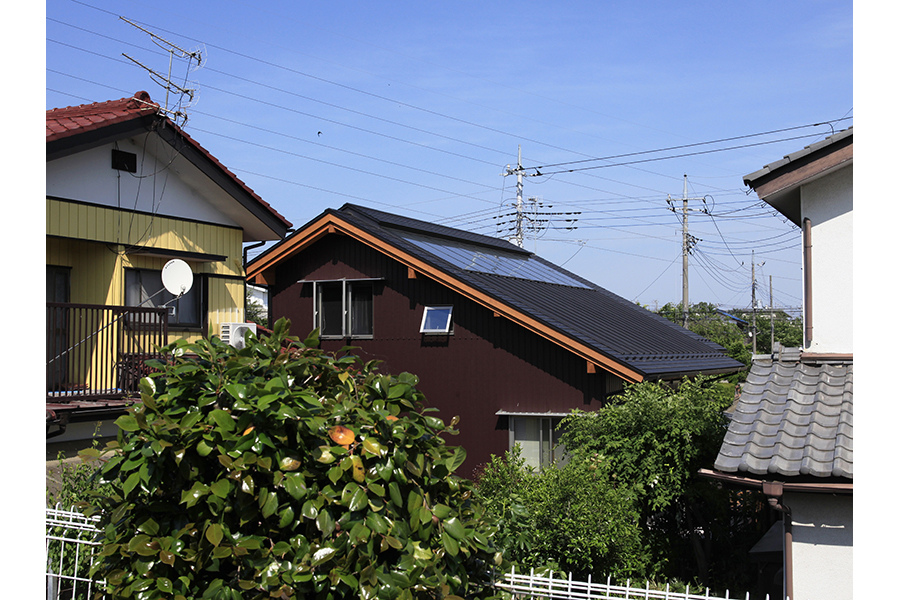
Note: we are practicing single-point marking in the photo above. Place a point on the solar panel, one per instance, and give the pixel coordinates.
(480, 259)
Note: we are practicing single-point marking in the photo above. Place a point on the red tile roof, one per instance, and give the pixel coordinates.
(72, 120)
(63, 122)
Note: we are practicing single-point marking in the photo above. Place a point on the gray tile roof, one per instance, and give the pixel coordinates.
(794, 418)
(799, 154)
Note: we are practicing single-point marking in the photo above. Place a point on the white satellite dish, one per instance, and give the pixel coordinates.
(177, 277)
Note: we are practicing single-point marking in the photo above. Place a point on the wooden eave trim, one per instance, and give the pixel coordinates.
(794, 175)
(332, 223)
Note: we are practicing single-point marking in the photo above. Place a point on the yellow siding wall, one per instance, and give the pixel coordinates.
(94, 241)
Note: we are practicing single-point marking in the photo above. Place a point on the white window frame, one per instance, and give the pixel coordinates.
(346, 303)
(556, 452)
(446, 329)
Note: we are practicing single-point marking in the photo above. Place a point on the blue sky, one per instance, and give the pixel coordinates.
(417, 108)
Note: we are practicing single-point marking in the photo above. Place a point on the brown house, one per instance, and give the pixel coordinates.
(498, 336)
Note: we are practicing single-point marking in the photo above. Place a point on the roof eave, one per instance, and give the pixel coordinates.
(830, 486)
(779, 183)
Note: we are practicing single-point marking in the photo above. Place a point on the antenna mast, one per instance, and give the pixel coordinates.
(166, 81)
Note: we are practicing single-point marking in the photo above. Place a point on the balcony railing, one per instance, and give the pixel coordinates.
(97, 352)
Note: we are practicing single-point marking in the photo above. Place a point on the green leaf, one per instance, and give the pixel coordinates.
(459, 455)
(358, 500)
(396, 497)
(191, 496)
(237, 391)
(127, 423)
(455, 528)
(414, 501)
(295, 484)
(221, 488)
(286, 517)
(164, 584)
(214, 534)
(374, 447)
(450, 544)
(309, 510)
(325, 523)
(204, 449)
(270, 505)
(322, 555)
(223, 419)
(149, 526)
(377, 523)
(131, 482)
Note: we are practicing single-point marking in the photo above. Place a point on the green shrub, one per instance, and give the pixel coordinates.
(273, 473)
(628, 503)
(572, 518)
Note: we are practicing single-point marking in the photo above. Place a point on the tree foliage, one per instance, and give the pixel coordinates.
(705, 319)
(274, 473)
(629, 502)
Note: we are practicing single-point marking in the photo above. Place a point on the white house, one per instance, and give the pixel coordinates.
(792, 431)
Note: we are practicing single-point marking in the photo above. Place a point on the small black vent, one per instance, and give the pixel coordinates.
(124, 161)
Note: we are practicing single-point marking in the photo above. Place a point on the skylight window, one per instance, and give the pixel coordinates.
(437, 319)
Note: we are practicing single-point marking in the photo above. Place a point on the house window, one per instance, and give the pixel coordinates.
(437, 319)
(538, 439)
(344, 308)
(143, 287)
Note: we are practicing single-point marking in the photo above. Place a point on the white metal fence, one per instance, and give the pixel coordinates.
(536, 586)
(70, 549)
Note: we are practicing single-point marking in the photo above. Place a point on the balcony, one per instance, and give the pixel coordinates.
(96, 354)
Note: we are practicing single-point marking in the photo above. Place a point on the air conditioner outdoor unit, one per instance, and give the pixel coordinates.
(233, 333)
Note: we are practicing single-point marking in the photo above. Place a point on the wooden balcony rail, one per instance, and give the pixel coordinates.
(98, 352)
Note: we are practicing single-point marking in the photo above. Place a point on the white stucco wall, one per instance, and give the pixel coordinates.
(828, 203)
(156, 187)
(823, 545)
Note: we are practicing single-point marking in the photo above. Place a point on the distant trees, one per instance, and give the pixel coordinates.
(732, 331)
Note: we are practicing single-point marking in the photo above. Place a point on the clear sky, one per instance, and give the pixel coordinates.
(418, 108)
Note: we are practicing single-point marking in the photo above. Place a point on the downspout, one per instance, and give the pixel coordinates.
(244, 266)
(773, 491)
(807, 281)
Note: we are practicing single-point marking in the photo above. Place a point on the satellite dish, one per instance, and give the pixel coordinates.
(177, 277)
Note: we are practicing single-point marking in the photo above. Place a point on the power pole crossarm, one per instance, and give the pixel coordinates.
(519, 172)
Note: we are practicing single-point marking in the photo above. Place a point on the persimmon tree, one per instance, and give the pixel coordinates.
(282, 471)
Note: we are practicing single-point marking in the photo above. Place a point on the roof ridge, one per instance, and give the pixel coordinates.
(138, 101)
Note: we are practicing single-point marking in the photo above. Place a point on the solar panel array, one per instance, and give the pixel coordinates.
(481, 259)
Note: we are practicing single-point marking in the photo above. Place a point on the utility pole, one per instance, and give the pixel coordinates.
(687, 242)
(753, 294)
(772, 313)
(753, 297)
(519, 172)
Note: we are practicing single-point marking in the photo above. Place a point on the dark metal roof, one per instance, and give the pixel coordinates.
(577, 308)
(794, 419)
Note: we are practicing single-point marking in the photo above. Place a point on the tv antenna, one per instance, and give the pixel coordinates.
(176, 112)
